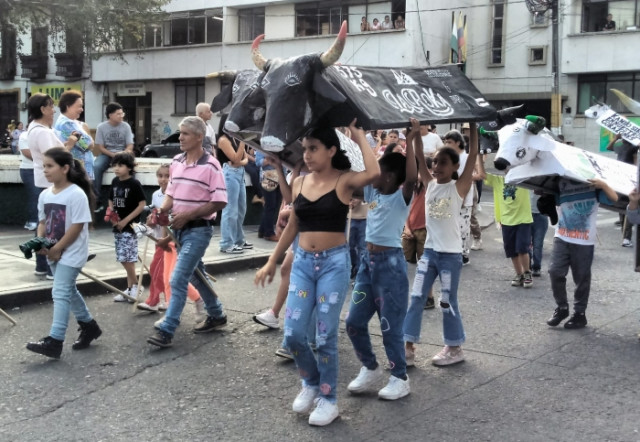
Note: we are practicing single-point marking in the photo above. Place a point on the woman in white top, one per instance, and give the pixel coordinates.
(26, 175)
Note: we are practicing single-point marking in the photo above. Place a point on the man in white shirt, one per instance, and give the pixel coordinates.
(431, 141)
(203, 110)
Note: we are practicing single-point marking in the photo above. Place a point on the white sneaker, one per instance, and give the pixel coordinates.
(158, 322)
(365, 380)
(476, 244)
(134, 292)
(304, 400)
(201, 313)
(147, 307)
(268, 319)
(120, 298)
(324, 413)
(162, 306)
(395, 389)
(627, 243)
(448, 356)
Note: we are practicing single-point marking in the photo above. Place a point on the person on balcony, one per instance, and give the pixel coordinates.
(609, 25)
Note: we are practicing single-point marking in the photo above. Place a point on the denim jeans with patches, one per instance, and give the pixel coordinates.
(193, 244)
(447, 266)
(381, 287)
(318, 280)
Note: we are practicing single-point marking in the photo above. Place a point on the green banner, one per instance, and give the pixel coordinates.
(606, 136)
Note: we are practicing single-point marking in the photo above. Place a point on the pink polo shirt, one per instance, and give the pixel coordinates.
(193, 185)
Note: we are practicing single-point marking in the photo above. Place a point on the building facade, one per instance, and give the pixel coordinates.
(508, 55)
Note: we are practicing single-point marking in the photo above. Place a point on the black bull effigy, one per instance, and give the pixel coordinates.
(272, 107)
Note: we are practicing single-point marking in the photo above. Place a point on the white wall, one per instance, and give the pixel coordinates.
(280, 21)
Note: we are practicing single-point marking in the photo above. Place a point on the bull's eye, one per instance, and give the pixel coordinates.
(520, 153)
(235, 88)
(292, 79)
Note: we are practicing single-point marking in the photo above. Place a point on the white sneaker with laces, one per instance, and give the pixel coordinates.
(324, 413)
(627, 243)
(365, 380)
(304, 400)
(120, 298)
(448, 356)
(268, 319)
(147, 307)
(476, 244)
(201, 313)
(134, 292)
(395, 389)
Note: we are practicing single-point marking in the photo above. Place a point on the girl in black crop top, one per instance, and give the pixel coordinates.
(321, 270)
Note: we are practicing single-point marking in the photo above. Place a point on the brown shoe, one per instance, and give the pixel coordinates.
(274, 238)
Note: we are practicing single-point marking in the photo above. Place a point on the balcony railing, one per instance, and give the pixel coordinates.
(69, 65)
(34, 66)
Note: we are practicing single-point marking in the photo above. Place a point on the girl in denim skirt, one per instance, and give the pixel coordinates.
(442, 251)
(321, 266)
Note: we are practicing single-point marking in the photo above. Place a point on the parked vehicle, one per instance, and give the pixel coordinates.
(167, 148)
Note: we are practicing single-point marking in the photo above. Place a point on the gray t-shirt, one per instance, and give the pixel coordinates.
(114, 138)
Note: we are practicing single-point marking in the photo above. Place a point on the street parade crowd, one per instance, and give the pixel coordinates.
(344, 235)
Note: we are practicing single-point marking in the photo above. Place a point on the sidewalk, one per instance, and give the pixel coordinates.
(20, 286)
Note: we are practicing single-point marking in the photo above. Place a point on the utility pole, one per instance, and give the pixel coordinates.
(540, 7)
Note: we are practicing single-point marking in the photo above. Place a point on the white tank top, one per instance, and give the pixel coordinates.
(442, 213)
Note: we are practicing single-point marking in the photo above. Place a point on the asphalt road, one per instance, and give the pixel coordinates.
(521, 381)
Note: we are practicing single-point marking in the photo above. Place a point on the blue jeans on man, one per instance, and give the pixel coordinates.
(193, 243)
(319, 280)
(381, 287)
(231, 232)
(447, 266)
(100, 166)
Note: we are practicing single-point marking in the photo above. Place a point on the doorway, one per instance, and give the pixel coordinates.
(138, 114)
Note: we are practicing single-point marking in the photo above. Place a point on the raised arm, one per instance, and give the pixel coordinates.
(466, 178)
(425, 175)
(411, 169)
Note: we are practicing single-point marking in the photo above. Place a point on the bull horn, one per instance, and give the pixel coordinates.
(333, 54)
(256, 56)
(629, 103)
(225, 75)
(534, 123)
(492, 134)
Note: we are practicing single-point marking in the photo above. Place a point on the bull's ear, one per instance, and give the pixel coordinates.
(221, 100)
(323, 88)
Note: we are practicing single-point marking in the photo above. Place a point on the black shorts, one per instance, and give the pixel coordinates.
(516, 239)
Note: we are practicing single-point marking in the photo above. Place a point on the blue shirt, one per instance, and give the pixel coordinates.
(386, 217)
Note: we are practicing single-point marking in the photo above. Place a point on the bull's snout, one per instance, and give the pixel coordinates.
(501, 163)
(231, 126)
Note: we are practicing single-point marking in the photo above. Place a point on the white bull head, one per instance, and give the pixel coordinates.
(521, 143)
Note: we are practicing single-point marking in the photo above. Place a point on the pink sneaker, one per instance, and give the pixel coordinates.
(448, 356)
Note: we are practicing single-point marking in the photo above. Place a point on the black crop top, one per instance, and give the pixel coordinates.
(326, 214)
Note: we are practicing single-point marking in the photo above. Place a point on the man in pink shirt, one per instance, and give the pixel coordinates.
(196, 191)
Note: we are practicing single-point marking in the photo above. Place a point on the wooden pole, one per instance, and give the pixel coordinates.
(6, 315)
(107, 286)
(142, 266)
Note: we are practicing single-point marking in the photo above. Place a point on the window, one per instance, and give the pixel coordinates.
(496, 56)
(537, 55)
(598, 87)
(624, 13)
(188, 94)
(40, 41)
(320, 18)
(8, 60)
(187, 28)
(251, 23)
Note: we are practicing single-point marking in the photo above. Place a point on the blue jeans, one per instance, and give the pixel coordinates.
(431, 265)
(538, 232)
(66, 297)
(100, 166)
(381, 287)
(233, 213)
(26, 175)
(319, 280)
(254, 175)
(269, 212)
(193, 243)
(356, 243)
(41, 260)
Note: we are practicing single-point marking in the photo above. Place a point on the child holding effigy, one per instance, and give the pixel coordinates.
(382, 284)
(64, 213)
(126, 203)
(443, 250)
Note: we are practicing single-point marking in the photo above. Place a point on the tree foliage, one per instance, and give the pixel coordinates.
(93, 26)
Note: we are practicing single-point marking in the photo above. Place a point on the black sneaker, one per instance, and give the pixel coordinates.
(88, 332)
(160, 339)
(210, 324)
(465, 260)
(558, 316)
(431, 303)
(46, 346)
(247, 245)
(577, 320)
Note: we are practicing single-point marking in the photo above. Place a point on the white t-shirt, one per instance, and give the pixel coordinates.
(442, 213)
(156, 201)
(431, 143)
(468, 199)
(40, 139)
(59, 211)
(577, 213)
(23, 144)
